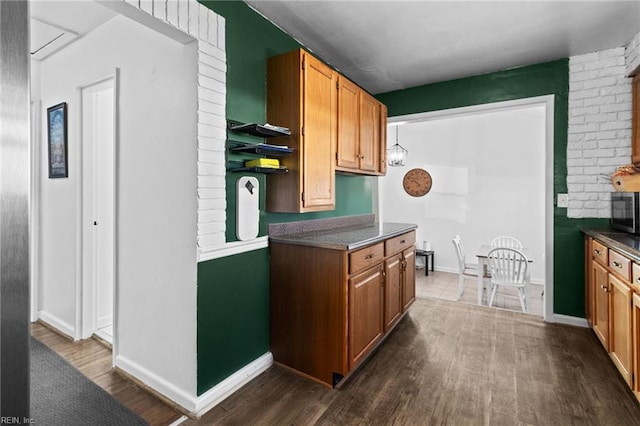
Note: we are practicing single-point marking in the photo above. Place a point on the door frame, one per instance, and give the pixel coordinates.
(85, 284)
(548, 102)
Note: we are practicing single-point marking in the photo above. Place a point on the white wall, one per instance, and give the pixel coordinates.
(599, 134)
(156, 202)
(488, 172)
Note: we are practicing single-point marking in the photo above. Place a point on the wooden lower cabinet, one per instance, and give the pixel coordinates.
(613, 309)
(600, 291)
(365, 313)
(330, 308)
(620, 296)
(636, 343)
(409, 278)
(393, 290)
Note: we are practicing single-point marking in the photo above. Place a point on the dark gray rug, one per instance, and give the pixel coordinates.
(61, 395)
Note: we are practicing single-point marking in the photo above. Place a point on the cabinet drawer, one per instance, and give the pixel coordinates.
(600, 252)
(362, 259)
(620, 265)
(635, 273)
(399, 243)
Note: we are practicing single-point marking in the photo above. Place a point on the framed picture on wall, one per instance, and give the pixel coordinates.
(57, 140)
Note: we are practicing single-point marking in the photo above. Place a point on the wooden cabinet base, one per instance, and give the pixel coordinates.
(329, 307)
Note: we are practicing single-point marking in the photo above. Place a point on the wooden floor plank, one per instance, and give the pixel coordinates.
(450, 363)
(446, 363)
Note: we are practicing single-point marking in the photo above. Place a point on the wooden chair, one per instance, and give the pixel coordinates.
(506, 241)
(508, 268)
(464, 269)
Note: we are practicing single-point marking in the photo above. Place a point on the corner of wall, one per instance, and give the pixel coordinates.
(632, 56)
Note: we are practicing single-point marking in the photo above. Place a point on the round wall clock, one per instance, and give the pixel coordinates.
(417, 182)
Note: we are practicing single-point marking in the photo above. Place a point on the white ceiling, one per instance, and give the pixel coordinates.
(54, 24)
(391, 45)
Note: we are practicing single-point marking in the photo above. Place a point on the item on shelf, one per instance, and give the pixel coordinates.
(263, 162)
(262, 130)
(261, 149)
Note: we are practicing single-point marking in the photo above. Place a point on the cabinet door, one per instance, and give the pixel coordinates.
(393, 295)
(600, 287)
(636, 345)
(348, 129)
(365, 313)
(635, 121)
(319, 134)
(408, 278)
(588, 282)
(620, 326)
(369, 132)
(382, 168)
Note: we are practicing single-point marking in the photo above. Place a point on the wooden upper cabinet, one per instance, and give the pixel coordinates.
(302, 95)
(348, 153)
(382, 167)
(635, 121)
(369, 132)
(362, 131)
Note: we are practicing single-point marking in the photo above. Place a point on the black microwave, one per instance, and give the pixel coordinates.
(625, 211)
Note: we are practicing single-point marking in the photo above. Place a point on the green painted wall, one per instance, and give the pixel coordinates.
(233, 292)
(551, 78)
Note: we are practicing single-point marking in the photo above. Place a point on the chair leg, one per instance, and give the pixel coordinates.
(523, 300)
(493, 294)
(460, 286)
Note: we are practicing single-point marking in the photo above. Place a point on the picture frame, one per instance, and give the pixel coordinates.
(57, 141)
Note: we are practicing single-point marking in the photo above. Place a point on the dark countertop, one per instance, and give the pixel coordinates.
(625, 243)
(346, 238)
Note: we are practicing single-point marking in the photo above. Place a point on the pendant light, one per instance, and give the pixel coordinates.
(396, 155)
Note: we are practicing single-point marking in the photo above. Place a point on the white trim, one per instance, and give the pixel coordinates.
(237, 247)
(211, 398)
(228, 386)
(157, 383)
(548, 102)
(87, 284)
(60, 325)
(179, 421)
(34, 208)
(569, 320)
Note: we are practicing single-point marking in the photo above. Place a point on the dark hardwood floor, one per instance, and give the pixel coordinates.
(450, 363)
(446, 363)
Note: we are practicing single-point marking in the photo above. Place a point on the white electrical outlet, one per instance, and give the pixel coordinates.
(563, 200)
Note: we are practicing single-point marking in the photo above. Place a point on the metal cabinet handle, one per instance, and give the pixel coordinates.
(369, 256)
(403, 241)
(616, 264)
(605, 288)
(598, 252)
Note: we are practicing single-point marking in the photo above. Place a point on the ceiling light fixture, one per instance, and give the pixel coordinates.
(396, 155)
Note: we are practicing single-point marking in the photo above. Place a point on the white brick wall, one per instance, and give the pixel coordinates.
(208, 29)
(632, 55)
(599, 134)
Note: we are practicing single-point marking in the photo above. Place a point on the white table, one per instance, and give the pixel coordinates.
(483, 263)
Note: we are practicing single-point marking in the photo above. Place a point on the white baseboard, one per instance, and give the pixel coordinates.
(224, 389)
(569, 320)
(60, 325)
(157, 383)
(193, 404)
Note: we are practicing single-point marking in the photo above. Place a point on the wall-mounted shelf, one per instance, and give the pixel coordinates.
(241, 149)
(265, 170)
(261, 130)
(261, 149)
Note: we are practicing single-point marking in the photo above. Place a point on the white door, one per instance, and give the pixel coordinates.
(98, 124)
